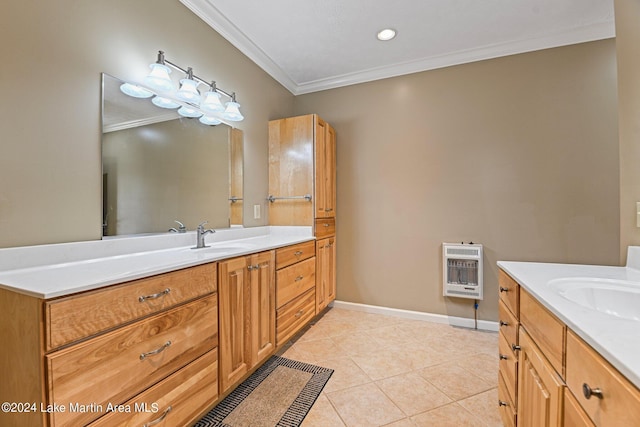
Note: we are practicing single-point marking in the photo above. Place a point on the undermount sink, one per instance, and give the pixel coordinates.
(618, 298)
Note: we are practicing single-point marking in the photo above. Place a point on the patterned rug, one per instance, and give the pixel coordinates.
(279, 393)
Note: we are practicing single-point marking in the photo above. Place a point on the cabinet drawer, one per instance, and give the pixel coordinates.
(293, 316)
(509, 292)
(573, 415)
(118, 365)
(292, 254)
(545, 329)
(508, 366)
(72, 318)
(295, 280)
(325, 227)
(505, 403)
(178, 400)
(508, 323)
(620, 402)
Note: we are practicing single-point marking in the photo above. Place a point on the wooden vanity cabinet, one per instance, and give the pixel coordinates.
(137, 336)
(247, 315)
(560, 380)
(326, 272)
(295, 290)
(325, 169)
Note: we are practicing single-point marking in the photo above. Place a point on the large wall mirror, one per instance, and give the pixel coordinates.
(159, 167)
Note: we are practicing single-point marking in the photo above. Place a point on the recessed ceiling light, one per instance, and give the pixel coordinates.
(386, 34)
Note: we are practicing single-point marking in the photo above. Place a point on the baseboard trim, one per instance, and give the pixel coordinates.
(463, 322)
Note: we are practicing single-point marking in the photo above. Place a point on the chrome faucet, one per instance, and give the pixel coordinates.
(181, 229)
(200, 233)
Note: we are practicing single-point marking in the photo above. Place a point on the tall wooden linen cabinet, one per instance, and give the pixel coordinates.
(302, 189)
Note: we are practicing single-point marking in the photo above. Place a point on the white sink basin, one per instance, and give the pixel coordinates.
(617, 298)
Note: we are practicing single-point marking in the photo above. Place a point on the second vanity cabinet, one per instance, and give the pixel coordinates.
(549, 376)
(247, 315)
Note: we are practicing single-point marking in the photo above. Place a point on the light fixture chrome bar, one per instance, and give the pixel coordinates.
(272, 199)
(189, 71)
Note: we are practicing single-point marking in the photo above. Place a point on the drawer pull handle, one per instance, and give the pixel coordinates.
(325, 224)
(300, 313)
(503, 357)
(158, 420)
(298, 253)
(328, 210)
(588, 391)
(253, 267)
(154, 296)
(503, 323)
(156, 351)
(515, 347)
(299, 278)
(502, 403)
(504, 289)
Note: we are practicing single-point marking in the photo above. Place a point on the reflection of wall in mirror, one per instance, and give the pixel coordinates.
(158, 173)
(236, 177)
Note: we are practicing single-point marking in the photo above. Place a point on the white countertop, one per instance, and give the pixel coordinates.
(50, 271)
(616, 339)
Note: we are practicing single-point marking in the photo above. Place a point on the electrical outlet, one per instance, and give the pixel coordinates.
(256, 211)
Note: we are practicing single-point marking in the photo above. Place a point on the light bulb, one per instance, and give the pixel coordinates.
(189, 112)
(232, 113)
(135, 91)
(189, 91)
(163, 102)
(208, 120)
(159, 78)
(211, 102)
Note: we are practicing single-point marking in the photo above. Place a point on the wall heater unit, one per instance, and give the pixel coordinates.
(462, 270)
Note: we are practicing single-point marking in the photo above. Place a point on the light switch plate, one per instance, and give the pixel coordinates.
(256, 211)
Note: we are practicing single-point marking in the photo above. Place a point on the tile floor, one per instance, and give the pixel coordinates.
(397, 372)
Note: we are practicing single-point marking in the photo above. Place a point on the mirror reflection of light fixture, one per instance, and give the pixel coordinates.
(187, 98)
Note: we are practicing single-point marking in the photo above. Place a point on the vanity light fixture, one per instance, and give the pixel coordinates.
(187, 98)
(386, 34)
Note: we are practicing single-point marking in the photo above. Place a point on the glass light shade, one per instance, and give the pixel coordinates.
(232, 112)
(159, 78)
(163, 102)
(189, 112)
(211, 103)
(208, 120)
(189, 91)
(135, 91)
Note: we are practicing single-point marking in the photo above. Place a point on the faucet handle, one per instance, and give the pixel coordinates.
(182, 228)
(201, 225)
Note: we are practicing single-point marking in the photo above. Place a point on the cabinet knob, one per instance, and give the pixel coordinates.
(503, 357)
(588, 391)
(515, 347)
(504, 289)
(298, 253)
(297, 279)
(503, 323)
(502, 403)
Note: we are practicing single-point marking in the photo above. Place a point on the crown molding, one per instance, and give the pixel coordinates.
(214, 18)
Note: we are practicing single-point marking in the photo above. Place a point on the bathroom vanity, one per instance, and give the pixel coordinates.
(568, 344)
(137, 330)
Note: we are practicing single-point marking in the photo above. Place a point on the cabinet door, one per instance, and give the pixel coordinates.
(540, 390)
(263, 310)
(325, 171)
(325, 272)
(233, 293)
(291, 170)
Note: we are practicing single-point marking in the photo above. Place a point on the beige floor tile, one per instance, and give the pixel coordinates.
(383, 364)
(484, 365)
(365, 406)
(356, 343)
(390, 336)
(291, 353)
(336, 327)
(455, 381)
(322, 414)
(313, 333)
(484, 406)
(452, 415)
(405, 422)
(346, 374)
(412, 393)
(319, 350)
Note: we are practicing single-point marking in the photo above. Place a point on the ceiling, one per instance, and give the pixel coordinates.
(313, 45)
